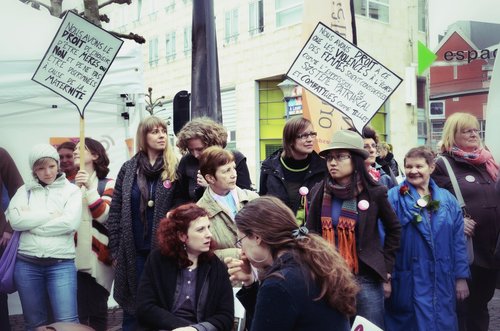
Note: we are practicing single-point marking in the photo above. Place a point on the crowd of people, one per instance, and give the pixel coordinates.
(328, 236)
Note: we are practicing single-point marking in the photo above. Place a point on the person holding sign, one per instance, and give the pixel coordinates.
(345, 208)
(93, 259)
(431, 266)
(143, 195)
(294, 166)
(184, 286)
(305, 284)
(47, 210)
(476, 171)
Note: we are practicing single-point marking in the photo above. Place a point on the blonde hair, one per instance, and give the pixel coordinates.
(169, 158)
(456, 123)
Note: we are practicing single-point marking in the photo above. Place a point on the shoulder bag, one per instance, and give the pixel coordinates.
(461, 202)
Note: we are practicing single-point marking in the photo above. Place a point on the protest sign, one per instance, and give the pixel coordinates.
(344, 76)
(362, 324)
(77, 60)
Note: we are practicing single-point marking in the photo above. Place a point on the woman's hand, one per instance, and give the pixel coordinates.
(387, 289)
(469, 225)
(240, 270)
(462, 289)
(200, 180)
(82, 179)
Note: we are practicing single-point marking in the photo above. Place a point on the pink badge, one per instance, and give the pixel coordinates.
(167, 184)
(303, 191)
(363, 205)
(421, 203)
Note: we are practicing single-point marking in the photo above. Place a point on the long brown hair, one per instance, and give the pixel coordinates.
(269, 218)
(169, 158)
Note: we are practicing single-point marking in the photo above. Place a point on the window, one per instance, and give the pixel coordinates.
(437, 109)
(421, 125)
(436, 132)
(422, 15)
(170, 45)
(153, 52)
(255, 17)
(288, 12)
(188, 39)
(375, 9)
(231, 26)
(169, 5)
(150, 7)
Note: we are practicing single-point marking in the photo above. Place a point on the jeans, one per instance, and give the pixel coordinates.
(370, 300)
(42, 285)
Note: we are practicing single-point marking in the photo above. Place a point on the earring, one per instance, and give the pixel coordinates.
(184, 246)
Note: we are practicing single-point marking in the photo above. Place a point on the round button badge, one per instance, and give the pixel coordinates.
(470, 178)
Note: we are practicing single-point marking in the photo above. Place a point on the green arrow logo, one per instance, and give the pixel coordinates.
(425, 58)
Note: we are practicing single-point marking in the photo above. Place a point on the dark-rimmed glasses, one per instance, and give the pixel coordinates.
(337, 157)
(237, 243)
(306, 135)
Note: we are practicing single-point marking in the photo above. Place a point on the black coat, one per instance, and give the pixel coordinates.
(482, 202)
(189, 191)
(368, 244)
(157, 290)
(272, 178)
(121, 235)
(389, 164)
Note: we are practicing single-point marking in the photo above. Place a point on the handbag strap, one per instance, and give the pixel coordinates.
(454, 182)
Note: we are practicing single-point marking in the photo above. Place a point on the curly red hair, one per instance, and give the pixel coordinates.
(173, 225)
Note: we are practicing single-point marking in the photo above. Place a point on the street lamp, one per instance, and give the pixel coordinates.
(287, 86)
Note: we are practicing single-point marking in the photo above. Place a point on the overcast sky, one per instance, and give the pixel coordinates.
(443, 13)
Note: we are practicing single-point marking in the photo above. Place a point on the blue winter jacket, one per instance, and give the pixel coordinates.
(431, 258)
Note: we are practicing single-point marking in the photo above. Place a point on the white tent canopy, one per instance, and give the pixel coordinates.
(31, 113)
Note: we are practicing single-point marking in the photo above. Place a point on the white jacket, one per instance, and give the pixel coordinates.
(32, 211)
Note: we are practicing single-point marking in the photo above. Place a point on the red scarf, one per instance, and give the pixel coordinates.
(477, 157)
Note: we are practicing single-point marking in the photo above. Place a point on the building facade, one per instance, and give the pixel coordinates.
(461, 75)
(257, 42)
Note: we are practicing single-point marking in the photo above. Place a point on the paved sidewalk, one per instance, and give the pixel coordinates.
(115, 317)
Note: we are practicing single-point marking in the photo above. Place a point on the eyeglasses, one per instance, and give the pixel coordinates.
(470, 131)
(337, 157)
(237, 243)
(306, 135)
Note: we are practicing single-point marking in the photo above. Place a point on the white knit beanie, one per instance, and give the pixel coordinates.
(40, 151)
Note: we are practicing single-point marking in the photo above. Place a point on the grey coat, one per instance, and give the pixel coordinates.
(121, 237)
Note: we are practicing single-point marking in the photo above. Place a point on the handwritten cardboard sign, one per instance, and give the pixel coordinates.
(77, 60)
(362, 324)
(343, 75)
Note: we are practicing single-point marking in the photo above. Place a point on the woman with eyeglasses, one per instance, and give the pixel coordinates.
(222, 199)
(185, 287)
(476, 172)
(344, 210)
(294, 166)
(305, 285)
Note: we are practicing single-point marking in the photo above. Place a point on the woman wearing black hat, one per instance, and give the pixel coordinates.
(344, 209)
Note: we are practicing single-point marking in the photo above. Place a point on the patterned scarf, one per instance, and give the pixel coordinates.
(346, 224)
(479, 156)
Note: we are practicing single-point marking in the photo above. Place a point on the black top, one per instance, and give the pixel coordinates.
(189, 191)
